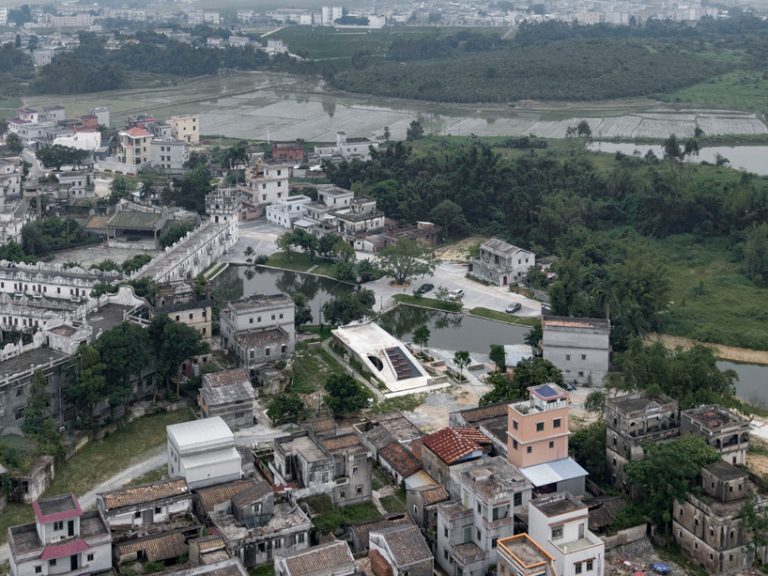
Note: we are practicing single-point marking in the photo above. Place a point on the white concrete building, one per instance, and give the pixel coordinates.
(287, 210)
(63, 541)
(560, 524)
(580, 347)
(82, 140)
(169, 155)
(203, 452)
(347, 148)
(11, 170)
(267, 183)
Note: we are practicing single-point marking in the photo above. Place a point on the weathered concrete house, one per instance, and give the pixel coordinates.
(230, 395)
(400, 551)
(329, 559)
(580, 347)
(500, 263)
(723, 429)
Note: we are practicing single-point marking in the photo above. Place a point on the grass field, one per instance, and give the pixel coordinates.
(503, 317)
(742, 90)
(711, 300)
(300, 262)
(311, 368)
(327, 517)
(393, 504)
(433, 303)
(399, 403)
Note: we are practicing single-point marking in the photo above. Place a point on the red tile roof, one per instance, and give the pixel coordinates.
(137, 132)
(453, 444)
(400, 459)
(63, 550)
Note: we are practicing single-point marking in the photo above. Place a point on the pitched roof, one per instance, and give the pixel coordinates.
(472, 415)
(363, 530)
(144, 493)
(157, 547)
(213, 495)
(433, 494)
(256, 491)
(453, 444)
(137, 132)
(497, 245)
(320, 559)
(406, 544)
(400, 459)
(131, 220)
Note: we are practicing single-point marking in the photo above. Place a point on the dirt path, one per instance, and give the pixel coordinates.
(723, 352)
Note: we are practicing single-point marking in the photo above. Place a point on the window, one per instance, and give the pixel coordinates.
(567, 356)
(556, 423)
(278, 543)
(479, 507)
(539, 426)
(445, 531)
(158, 510)
(514, 444)
(493, 543)
(343, 493)
(577, 568)
(518, 499)
(191, 315)
(590, 564)
(445, 554)
(301, 537)
(514, 424)
(90, 557)
(557, 532)
(359, 489)
(38, 569)
(266, 351)
(137, 514)
(250, 320)
(551, 443)
(583, 356)
(529, 450)
(281, 316)
(58, 525)
(479, 535)
(273, 316)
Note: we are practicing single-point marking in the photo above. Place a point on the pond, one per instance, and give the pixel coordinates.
(452, 331)
(752, 385)
(242, 281)
(748, 158)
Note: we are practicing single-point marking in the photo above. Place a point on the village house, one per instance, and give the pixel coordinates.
(267, 183)
(63, 540)
(579, 347)
(538, 430)
(398, 462)
(29, 484)
(223, 567)
(500, 263)
(632, 421)
(179, 301)
(710, 527)
(347, 148)
(224, 204)
(449, 447)
(163, 547)
(520, 555)
(135, 147)
(203, 452)
(288, 151)
(329, 559)
(486, 494)
(185, 127)
(339, 466)
(230, 395)
(286, 211)
(207, 550)
(491, 420)
(399, 551)
(169, 155)
(422, 503)
(258, 330)
(11, 170)
(380, 430)
(359, 534)
(723, 429)
(559, 523)
(136, 511)
(211, 501)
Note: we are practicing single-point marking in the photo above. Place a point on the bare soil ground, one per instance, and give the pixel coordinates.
(723, 352)
(459, 251)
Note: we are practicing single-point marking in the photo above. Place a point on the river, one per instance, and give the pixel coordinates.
(749, 158)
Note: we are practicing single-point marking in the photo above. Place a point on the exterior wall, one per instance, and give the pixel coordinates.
(731, 440)
(146, 514)
(198, 318)
(287, 210)
(102, 561)
(46, 281)
(270, 185)
(169, 155)
(455, 531)
(356, 486)
(502, 269)
(257, 551)
(235, 415)
(581, 355)
(435, 467)
(529, 446)
(135, 151)
(423, 568)
(185, 128)
(278, 312)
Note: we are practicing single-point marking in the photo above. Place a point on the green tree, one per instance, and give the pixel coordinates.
(345, 395)
(346, 308)
(57, 155)
(667, 471)
(175, 232)
(462, 359)
(672, 149)
(13, 252)
(86, 385)
(450, 216)
(386, 134)
(179, 343)
(595, 402)
(498, 357)
(406, 259)
(285, 243)
(13, 143)
(421, 336)
(120, 188)
(38, 424)
(415, 131)
(303, 313)
(287, 408)
(587, 446)
(123, 349)
(756, 254)
(528, 372)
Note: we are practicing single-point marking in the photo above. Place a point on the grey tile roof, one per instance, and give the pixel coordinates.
(406, 544)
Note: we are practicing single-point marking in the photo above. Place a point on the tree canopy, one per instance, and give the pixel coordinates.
(406, 259)
(345, 395)
(529, 372)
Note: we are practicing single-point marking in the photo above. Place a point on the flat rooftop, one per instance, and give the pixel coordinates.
(208, 432)
(525, 550)
(640, 402)
(557, 504)
(494, 477)
(725, 471)
(714, 417)
(37, 357)
(567, 322)
(306, 446)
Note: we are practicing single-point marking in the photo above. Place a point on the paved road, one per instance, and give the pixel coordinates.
(36, 170)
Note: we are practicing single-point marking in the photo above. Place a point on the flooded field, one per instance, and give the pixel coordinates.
(261, 105)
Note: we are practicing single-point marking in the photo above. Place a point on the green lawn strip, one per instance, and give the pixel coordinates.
(265, 570)
(101, 459)
(300, 262)
(399, 403)
(379, 478)
(427, 302)
(326, 517)
(504, 317)
(152, 476)
(393, 504)
(710, 298)
(311, 368)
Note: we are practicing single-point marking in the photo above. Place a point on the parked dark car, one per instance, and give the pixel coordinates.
(423, 289)
(512, 308)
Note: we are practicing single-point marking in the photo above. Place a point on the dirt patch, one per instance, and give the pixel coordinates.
(723, 352)
(459, 252)
(758, 464)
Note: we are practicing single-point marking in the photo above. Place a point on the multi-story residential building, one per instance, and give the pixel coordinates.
(203, 452)
(330, 559)
(185, 128)
(13, 215)
(287, 210)
(559, 524)
(76, 184)
(489, 492)
(334, 197)
(538, 431)
(580, 347)
(63, 541)
(135, 147)
(258, 330)
(267, 183)
(230, 395)
(169, 155)
(288, 151)
(362, 217)
(724, 430)
(422, 503)
(136, 511)
(632, 421)
(339, 466)
(11, 170)
(500, 263)
(449, 447)
(223, 204)
(102, 115)
(521, 555)
(399, 551)
(710, 528)
(347, 148)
